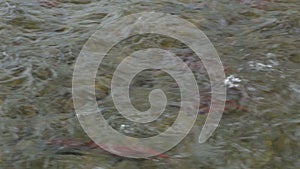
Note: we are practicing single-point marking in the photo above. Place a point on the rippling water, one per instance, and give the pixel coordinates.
(256, 40)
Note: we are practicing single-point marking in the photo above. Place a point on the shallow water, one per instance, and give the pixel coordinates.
(257, 42)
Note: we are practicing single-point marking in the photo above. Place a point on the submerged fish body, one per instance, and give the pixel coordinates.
(80, 144)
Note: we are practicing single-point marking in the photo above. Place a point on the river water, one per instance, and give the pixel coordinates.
(258, 43)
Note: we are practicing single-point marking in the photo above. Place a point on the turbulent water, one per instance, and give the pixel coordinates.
(258, 43)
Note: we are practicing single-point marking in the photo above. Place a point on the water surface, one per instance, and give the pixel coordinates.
(257, 42)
